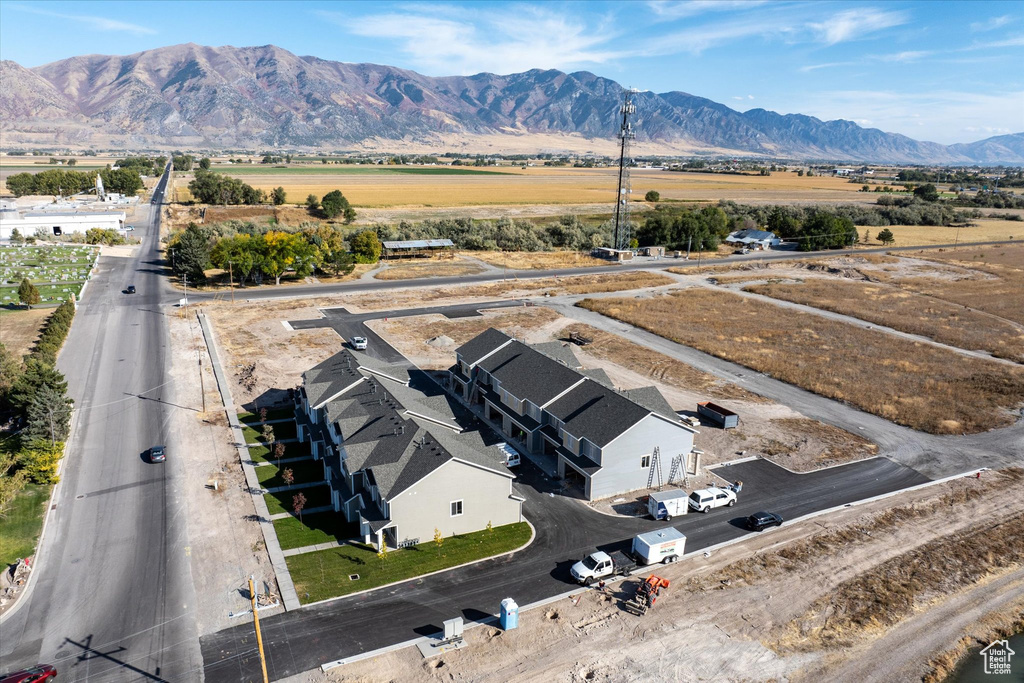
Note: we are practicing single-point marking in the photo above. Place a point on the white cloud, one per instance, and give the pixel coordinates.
(826, 65)
(854, 23)
(991, 24)
(785, 23)
(939, 116)
(444, 40)
(903, 57)
(94, 22)
(677, 9)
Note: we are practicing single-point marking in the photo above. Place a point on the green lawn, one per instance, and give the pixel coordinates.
(272, 414)
(283, 430)
(261, 453)
(351, 169)
(324, 574)
(20, 527)
(305, 472)
(316, 496)
(321, 527)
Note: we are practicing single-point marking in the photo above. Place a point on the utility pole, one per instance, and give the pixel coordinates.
(256, 623)
(184, 278)
(199, 354)
(231, 281)
(623, 229)
(689, 241)
(700, 252)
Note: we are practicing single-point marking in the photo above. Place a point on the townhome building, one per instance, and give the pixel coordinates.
(542, 399)
(396, 456)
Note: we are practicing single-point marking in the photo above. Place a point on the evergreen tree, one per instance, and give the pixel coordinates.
(28, 294)
(49, 416)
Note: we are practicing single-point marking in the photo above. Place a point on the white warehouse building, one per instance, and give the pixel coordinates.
(56, 223)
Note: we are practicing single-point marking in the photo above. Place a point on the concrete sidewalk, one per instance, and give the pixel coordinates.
(284, 579)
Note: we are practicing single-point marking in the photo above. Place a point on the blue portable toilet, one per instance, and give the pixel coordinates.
(509, 614)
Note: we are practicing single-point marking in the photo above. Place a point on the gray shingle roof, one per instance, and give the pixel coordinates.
(529, 374)
(380, 435)
(597, 413)
(560, 352)
(482, 344)
(652, 399)
(326, 379)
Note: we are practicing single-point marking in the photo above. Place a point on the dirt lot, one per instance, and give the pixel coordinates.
(747, 595)
(19, 330)
(923, 387)
(433, 268)
(534, 260)
(225, 546)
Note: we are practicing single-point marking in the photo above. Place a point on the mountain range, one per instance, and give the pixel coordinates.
(195, 97)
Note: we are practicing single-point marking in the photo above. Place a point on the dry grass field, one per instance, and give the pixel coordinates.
(535, 260)
(982, 230)
(989, 279)
(552, 186)
(928, 316)
(657, 366)
(19, 330)
(923, 387)
(411, 271)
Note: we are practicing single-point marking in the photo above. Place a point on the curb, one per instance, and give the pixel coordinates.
(533, 535)
(36, 558)
(284, 580)
(644, 570)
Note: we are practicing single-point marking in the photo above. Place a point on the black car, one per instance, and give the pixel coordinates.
(130, 290)
(157, 454)
(759, 521)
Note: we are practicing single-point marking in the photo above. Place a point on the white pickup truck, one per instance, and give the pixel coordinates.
(704, 500)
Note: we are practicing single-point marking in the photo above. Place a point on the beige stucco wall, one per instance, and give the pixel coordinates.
(427, 504)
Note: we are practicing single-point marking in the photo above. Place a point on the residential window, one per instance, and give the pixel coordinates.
(456, 508)
(645, 462)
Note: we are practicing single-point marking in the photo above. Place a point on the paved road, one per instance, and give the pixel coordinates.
(566, 530)
(353, 286)
(112, 598)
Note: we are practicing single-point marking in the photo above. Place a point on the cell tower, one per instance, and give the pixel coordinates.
(623, 229)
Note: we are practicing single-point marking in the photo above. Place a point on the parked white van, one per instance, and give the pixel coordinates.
(714, 497)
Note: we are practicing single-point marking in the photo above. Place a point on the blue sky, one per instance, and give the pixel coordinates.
(942, 71)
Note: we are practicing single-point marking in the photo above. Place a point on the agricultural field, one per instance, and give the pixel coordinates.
(240, 170)
(923, 387)
(57, 272)
(553, 187)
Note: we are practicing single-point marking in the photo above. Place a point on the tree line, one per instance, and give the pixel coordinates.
(252, 252)
(34, 401)
(64, 183)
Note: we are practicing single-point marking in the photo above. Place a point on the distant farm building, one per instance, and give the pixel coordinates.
(416, 248)
(752, 239)
(612, 254)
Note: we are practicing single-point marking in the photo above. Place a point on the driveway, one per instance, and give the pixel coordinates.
(566, 531)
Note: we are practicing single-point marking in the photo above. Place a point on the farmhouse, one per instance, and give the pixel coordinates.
(541, 399)
(753, 239)
(396, 458)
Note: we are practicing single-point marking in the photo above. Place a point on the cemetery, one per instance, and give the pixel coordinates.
(57, 271)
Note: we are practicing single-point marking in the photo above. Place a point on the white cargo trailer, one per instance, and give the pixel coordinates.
(667, 504)
(664, 546)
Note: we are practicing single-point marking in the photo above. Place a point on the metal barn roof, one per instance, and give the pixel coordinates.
(418, 244)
